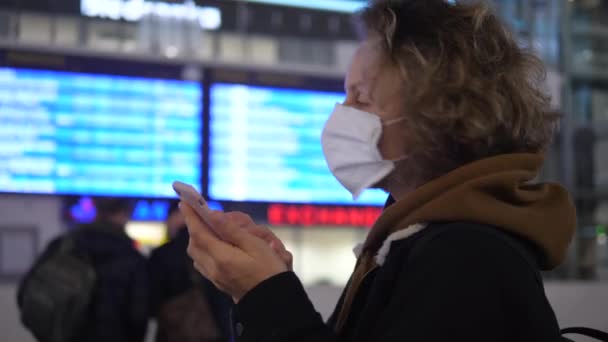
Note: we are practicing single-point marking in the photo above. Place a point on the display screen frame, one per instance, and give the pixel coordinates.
(340, 6)
(283, 80)
(110, 66)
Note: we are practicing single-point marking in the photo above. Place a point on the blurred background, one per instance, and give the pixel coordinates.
(121, 97)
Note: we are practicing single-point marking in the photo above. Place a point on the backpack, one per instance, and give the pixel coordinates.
(188, 317)
(525, 252)
(54, 297)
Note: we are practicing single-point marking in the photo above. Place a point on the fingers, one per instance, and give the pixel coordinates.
(288, 258)
(246, 222)
(205, 263)
(236, 261)
(268, 236)
(202, 261)
(241, 219)
(233, 233)
(201, 234)
(278, 247)
(200, 269)
(235, 228)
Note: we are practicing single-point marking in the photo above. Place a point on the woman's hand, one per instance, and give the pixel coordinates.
(245, 221)
(239, 257)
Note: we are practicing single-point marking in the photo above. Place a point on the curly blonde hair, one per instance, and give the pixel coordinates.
(472, 91)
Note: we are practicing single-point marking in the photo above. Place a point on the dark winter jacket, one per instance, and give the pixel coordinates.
(119, 308)
(449, 282)
(458, 259)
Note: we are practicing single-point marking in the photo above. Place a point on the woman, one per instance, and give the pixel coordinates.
(443, 111)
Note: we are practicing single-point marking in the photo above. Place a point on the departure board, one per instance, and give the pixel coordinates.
(80, 133)
(265, 146)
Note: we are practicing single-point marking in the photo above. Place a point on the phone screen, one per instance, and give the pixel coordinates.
(188, 194)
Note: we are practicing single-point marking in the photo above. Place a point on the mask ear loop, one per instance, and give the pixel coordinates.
(392, 121)
(403, 157)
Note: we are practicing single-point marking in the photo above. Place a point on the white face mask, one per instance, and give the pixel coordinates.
(350, 144)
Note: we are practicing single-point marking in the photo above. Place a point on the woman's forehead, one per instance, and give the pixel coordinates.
(365, 67)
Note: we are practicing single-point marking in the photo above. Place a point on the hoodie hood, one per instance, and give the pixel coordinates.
(496, 191)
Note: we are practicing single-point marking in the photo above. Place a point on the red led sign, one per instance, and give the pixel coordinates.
(308, 215)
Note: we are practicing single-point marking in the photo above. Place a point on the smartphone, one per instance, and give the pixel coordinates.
(188, 194)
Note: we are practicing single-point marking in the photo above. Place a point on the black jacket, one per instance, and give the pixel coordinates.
(119, 307)
(170, 270)
(448, 282)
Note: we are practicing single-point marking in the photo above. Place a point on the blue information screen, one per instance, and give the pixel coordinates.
(347, 6)
(78, 133)
(265, 146)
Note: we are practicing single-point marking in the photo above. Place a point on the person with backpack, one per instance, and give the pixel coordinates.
(186, 306)
(445, 111)
(89, 285)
